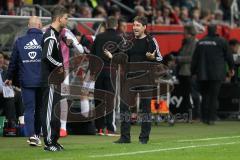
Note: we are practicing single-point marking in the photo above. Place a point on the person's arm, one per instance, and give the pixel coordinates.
(47, 52)
(195, 59)
(153, 53)
(158, 53)
(75, 42)
(228, 57)
(13, 64)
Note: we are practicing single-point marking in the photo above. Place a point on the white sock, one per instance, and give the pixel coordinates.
(64, 113)
(21, 119)
(63, 124)
(85, 107)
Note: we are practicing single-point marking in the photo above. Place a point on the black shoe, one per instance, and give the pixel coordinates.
(121, 141)
(204, 121)
(52, 148)
(59, 146)
(143, 141)
(211, 122)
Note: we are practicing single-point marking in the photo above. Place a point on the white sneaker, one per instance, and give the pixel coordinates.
(35, 141)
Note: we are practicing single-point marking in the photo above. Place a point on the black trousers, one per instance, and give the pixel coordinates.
(144, 117)
(12, 107)
(185, 88)
(104, 83)
(209, 91)
(196, 99)
(50, 115)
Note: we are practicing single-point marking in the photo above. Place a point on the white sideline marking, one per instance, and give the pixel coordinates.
(207, 139)
(160, 150)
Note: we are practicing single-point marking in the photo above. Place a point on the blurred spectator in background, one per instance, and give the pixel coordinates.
(139, 11)
(65, 2)
(234, 49)
(218, 17)
(158, 17)
(177, 10)
(72, 10)
(6, 60)
(184, 15)
(169, 16)
(115, 12)
(13, 111)
(85, 11)
(99, 12)
(206, 17)
(195, 20)
(225, 6)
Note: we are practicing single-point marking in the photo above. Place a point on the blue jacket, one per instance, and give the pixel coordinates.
(26, 59)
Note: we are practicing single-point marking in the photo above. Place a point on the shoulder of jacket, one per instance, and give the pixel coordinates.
(49, 35)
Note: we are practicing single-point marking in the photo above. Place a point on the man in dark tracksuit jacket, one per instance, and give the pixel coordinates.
(52, 59)
(208, 65)
(144, 49)
(103, 81)
(26, 58)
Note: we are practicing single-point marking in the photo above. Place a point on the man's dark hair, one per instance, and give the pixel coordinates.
(212, 29)
(122, 20)
(233, 42)
(6, 56)
(141, 19)
(113, 10)
(58, 11)
(112, 22)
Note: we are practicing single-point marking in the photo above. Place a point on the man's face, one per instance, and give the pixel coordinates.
(187, 35)
(63, 21)
(235, 48)
(1, 61)
(6, 63)
(138, 29)
(123, 27)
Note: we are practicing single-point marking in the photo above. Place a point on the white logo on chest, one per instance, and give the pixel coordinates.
(32, 55)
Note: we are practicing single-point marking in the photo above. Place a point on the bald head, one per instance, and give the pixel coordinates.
(35, 22)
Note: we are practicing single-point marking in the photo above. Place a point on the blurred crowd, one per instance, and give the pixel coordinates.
(163, 12)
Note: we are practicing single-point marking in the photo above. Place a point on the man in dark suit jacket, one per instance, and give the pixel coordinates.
(208, 65)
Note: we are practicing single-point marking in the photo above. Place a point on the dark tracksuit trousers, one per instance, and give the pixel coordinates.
(209, 91)
(104, 83)
(32, 99)
(50, 115)
(145, 118)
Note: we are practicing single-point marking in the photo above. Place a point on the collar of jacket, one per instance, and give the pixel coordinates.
(111, 30)
(34, 30)
(55, 31)
(213, 35)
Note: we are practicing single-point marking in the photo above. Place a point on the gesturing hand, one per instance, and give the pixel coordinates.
(151, 56)
(108, 54)
(8, 82)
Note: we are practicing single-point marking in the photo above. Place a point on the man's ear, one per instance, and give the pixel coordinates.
(59, 19)
(145, 27)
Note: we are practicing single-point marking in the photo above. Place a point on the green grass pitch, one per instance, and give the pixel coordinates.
(181, 142)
